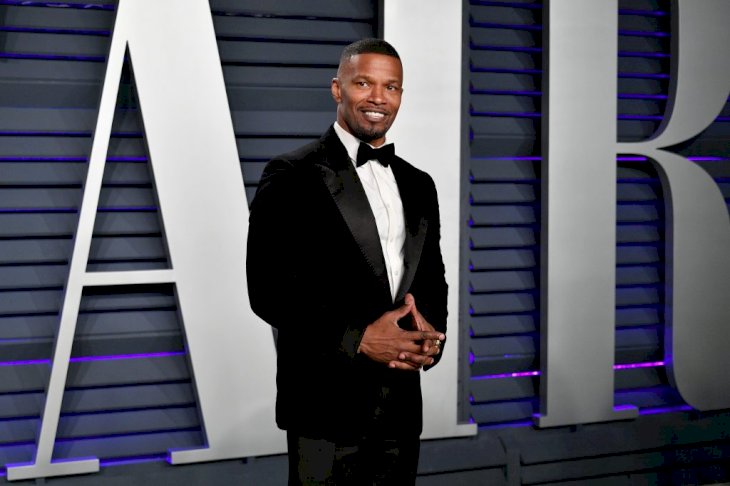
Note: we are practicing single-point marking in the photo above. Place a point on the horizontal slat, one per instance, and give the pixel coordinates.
(505, 15)
(502, 215)
(524, 128)
(85, 346)
(485, 238)
(354, 10)
(56, 44)
(482, 170)
(127, 445)
(501, 281)
(504, 104)
(637, 316)
(496, 325)
(34, 377)
(511, 302)
(503, 193)
(495, 36)
(501, 60)
(112, 423)
(492, 413)
(637, 296)
(503, 389)
(151, 320)
(502, 259)
(278, 53)
(277, 76)
(303, 30)
(58, 18)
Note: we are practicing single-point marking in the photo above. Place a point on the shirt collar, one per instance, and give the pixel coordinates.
(350, 141)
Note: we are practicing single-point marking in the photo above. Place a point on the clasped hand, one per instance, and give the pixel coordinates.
(385, 342)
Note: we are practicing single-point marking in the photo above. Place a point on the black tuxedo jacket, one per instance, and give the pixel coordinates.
(316, 272)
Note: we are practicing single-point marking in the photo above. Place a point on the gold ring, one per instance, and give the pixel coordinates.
(437, 343)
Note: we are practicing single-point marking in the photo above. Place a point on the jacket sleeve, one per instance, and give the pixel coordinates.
(269, 269)
(279, 287)
(430, 289)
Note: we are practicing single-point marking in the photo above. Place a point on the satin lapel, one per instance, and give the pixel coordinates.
(416, 226)
(344, 185)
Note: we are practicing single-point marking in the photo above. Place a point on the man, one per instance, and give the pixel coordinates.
(344, 261)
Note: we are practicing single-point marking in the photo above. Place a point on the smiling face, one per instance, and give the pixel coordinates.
(368, 90)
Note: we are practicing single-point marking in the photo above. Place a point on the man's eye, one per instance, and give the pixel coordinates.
(362, 83)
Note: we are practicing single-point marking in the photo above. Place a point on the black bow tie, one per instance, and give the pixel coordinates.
(384, 154)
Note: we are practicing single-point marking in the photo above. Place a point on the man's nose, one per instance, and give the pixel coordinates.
(377, 95)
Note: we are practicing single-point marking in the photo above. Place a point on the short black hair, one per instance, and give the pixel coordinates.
(368, 46)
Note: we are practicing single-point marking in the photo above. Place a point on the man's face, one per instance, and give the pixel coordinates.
(368, 90)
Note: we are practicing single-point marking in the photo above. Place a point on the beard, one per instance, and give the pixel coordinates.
(369, 134)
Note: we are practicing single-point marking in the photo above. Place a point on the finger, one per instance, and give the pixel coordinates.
(430, 349)
(409, 299)
(416, 359)
(415, 315)
(424, 335)
(401, 365)
(402, 311)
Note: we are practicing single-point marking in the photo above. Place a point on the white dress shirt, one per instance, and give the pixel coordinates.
(382, 192)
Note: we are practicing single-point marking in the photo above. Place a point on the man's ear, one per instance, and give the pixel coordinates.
(335, 89)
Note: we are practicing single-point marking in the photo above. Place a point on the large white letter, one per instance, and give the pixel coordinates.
(427, 34)
(579, 213)
(698, 226)
(579, 201)
(195, 163)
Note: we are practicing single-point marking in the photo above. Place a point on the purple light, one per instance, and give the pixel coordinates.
(708, 159)
(641, 117)
(51, 57)
(653, 364)
(523, 374)
(658, 410)
(631, 159)
(43, 159)
(628, 96)
(132, 460)
(40, 30)
(659, 55)
(643, 76)
(507, 114)
(640, 33)
(25, 363)
(126, 356)
(30, 3)
(511, 425)
(647, 13)
(531, 157)
(519, 374)
(126, 159)
(621, 408)
(36, 210)
(81, 359)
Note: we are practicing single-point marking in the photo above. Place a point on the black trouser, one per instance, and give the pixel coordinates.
(368, 461)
